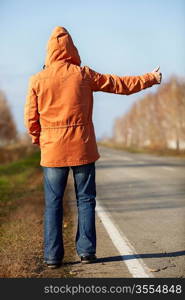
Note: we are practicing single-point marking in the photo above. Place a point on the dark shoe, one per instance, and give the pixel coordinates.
(87, 259)
(54, 266)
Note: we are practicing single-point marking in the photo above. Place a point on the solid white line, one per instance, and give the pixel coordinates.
(125, 158)
(168, 168)
(136, 266)
(122, 157)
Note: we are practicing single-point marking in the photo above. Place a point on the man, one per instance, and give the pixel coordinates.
(58, 116)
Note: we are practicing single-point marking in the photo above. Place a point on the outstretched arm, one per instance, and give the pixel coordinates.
(125, 85)
(31, 115)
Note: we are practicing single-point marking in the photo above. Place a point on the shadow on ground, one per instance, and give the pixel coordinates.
(133, 256)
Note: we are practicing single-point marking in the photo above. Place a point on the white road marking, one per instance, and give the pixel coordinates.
(122, 157)
(127, 158)
(168, 168)
(135, 265)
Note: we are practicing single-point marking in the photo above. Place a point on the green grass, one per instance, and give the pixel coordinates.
(22, 165)
(14, 179)
(21, 204)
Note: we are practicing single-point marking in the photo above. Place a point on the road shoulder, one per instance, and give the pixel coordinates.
(109, 263)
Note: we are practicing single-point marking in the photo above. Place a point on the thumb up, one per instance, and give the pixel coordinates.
(157, 74)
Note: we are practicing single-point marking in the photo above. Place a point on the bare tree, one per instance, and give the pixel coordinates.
(156, 120)
(8, 131)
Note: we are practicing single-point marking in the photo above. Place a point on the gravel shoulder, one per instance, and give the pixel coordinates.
(109, 263)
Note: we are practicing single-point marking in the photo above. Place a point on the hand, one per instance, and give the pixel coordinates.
(37, 143)
(157, 74)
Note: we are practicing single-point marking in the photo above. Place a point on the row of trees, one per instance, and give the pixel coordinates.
(8, 130)
(157, 120)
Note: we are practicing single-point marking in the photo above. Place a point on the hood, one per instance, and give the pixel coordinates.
(60, 47)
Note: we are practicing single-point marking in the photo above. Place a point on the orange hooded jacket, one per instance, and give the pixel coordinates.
(59, 103)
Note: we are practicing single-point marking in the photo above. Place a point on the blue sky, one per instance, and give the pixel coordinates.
(122, 37)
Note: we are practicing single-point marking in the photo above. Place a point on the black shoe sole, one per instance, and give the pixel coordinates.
(88, 261)
(54, 266)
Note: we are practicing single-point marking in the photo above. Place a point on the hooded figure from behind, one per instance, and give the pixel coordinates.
(59, 104)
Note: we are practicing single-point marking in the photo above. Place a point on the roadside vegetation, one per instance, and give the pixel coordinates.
(21, 221)
(8, 130)
(22, 206)
(155, 123)
(148, 150)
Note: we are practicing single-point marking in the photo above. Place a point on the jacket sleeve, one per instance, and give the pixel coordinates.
(31, 115)
(125, 85)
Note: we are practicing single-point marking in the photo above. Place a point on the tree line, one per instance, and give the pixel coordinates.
(157, 120)
(8, 130)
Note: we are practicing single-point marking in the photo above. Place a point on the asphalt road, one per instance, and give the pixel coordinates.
(145, 197)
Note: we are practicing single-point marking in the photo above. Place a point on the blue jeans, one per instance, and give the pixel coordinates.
(55, 180)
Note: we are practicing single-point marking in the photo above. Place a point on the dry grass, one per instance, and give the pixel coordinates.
(21, 241)
(14, 152)
(147, 150)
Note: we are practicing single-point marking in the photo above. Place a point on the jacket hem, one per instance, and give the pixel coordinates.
(69, 163)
